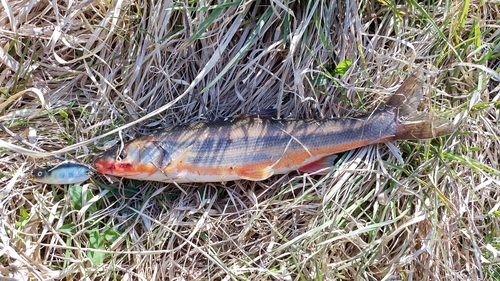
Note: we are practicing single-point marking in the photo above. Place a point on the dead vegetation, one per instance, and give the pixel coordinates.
(75, 77)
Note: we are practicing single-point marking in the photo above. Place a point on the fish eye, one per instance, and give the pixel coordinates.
(39, 174)
(122, 155)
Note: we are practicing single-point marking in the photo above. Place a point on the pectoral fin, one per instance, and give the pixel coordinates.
(320, 164)
(172, 166)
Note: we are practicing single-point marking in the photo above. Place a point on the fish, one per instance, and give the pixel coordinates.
(256, 147)
(65, 173)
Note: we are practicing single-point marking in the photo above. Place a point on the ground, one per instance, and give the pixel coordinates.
(77, 77)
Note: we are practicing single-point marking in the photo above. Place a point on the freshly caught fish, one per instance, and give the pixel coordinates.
(254, 148)
(66, 173)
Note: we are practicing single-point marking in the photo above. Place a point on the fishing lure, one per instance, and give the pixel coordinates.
(254, 148)
(65, 173)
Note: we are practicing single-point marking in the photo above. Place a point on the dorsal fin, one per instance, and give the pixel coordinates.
(268, 113)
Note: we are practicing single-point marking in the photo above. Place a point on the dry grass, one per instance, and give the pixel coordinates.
(76, 76)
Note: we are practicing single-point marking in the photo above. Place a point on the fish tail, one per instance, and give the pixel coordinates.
(413, 124)
(422, 125)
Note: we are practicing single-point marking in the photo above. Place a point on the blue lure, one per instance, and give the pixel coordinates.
(66, 173)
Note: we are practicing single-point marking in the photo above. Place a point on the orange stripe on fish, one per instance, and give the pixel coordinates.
(254, 148)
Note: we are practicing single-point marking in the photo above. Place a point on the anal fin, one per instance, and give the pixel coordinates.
(321, 164)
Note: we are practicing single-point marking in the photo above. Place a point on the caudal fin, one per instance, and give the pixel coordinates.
(413, 124)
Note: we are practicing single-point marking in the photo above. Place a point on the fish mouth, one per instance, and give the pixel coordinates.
(111, 167)
(103, 166)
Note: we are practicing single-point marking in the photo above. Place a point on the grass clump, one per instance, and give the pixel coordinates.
(77, 77)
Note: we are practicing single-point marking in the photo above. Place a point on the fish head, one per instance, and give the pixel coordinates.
(135, 159)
